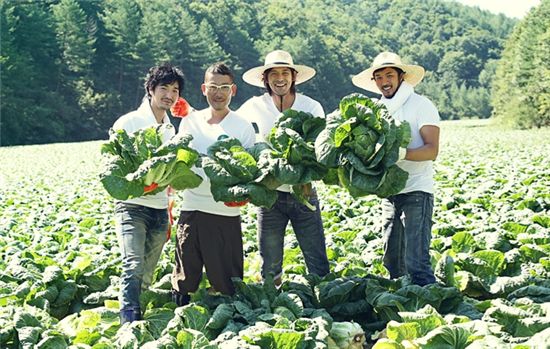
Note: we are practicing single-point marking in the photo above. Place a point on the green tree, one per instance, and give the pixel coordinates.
(169, 33)
(29, 102)
(236, 28)
(122, 22)
(75, 38)
(542, 85)
(522, 78)
(70, 67)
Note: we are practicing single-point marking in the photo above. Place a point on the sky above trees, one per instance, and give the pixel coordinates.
(510, 8)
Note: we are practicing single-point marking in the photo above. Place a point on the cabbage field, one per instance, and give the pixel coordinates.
(60, 262)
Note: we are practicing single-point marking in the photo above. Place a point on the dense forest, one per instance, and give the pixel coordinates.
(69, 68)
(521, 88)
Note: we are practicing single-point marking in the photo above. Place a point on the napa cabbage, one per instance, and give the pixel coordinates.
(361, 140)
(140, 164)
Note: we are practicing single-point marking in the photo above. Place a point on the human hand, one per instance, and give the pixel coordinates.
(236, 203)
(402, 153)
(307, 190)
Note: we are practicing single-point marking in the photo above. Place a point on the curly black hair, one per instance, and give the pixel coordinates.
(163, 75)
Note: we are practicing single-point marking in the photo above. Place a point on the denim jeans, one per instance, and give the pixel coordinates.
(307, 226)
(142, 234)
(407, 222)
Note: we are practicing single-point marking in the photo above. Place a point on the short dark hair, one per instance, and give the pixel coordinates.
(220, 68)
(266, 81)
(398, 70)
(163, 75)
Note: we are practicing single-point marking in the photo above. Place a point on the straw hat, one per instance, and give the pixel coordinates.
(277, 58)
(413, 73)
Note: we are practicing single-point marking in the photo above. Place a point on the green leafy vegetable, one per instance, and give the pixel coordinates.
(139, 164)
(235, 176)
(290, 156)
(362, 141)
(347, 335)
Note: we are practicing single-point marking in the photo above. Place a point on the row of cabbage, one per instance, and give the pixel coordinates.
(490, 249)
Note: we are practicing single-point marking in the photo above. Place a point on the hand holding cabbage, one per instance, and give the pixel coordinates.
(139, 164)
(290, 158)
(362, 141)
(235, 176)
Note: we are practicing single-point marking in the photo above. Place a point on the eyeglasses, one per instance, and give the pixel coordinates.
(223, 88)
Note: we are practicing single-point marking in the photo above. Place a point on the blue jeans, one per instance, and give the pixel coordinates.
(307, 226)
(407, 221)
(142, 234)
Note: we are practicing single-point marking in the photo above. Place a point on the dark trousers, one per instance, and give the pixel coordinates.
(307, 226)
(407, 220)
(210, 241)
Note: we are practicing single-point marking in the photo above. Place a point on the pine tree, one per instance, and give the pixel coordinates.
(29, 102)
(75, 36)
(122, 22)
(69, 69)
(522, 78)
(235, 26)
(75, 39)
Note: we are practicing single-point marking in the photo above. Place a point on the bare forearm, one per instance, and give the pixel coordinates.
(430, 149)
(424, 153)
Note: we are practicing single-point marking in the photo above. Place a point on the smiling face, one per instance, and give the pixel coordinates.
(280, 80)
(218, 90)
(388, 81)
(164, 96)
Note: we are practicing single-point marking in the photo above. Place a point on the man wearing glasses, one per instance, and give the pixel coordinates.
(209, 232)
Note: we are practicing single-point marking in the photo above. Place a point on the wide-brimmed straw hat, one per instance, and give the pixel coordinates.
(278, 58)
(413, 73)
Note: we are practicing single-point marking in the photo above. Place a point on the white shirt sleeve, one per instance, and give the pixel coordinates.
(308, 105)
(249, 136)
(317, 110)
(429, 116)
(122, 124)
(181, 127)
(246, 110)
(250, 111)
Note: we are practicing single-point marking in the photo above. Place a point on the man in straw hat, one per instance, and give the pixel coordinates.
(279, 76)
(407, 216)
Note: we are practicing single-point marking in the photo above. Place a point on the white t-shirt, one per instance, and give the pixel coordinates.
(204, 135)
(262, 111)
(136, 120)
(419, 111)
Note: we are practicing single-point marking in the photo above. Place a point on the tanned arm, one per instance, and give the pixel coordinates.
(430, 149)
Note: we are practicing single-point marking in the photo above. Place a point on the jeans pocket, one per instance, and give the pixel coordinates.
(303, 209)
(162, 221)
(129, 219)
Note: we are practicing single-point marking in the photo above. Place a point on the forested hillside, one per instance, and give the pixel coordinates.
(70, 67)
(521, 94)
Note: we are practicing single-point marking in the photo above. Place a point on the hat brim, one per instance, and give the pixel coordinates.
(254, 76)
(413, 75)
